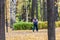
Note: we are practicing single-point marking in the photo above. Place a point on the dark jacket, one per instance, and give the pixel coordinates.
(35, 21)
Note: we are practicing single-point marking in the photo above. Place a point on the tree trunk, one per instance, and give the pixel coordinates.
(44, 10)
(41, 9)
(2, 20)
(56, 11)
(51, 21)
(12, 12)
(27, 12)
(33, 8)
(37, 9)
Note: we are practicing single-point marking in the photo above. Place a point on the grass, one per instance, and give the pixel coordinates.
(29, 35)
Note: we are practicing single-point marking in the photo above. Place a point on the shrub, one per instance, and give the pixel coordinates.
(57, 23)
(42, 25)
(29, 25)
(23, 25)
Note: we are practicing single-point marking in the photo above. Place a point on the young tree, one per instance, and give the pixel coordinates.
(2, 20)
(51, 19)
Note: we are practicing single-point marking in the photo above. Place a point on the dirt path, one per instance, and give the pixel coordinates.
(29, 35)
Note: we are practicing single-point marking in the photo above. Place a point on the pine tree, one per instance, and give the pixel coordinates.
(2, 20)
(51, 19)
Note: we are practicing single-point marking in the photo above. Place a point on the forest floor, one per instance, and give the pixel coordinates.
(29, 35)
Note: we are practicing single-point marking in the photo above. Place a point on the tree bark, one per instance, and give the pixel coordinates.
(51, 19)
(2, 20)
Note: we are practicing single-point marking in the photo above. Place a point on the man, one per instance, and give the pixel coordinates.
(35, 23)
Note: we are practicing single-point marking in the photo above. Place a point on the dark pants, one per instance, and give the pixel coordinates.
(35, 27)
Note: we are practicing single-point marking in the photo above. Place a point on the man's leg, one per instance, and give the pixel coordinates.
(36, 28)
(33, 28)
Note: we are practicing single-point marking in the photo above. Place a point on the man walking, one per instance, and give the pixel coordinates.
(35, 23)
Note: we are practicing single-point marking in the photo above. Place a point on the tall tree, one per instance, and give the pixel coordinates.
(24, 13)
(56, 11)
(51, 19)
(27, 3)
(2, 20)
(41, 9)
(33, 8)
(12, 12)
(44, 10)
(36, 9)
(29, 10)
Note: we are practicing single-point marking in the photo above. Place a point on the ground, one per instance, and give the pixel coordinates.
(29, 35)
